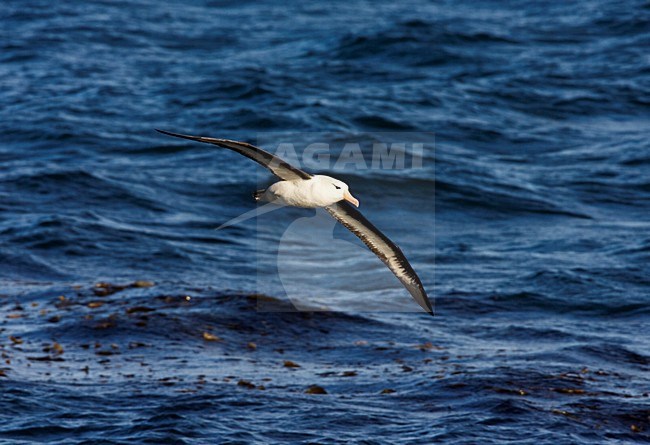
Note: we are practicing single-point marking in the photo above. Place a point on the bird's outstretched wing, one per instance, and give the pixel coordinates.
(277, 166)
(383, 247)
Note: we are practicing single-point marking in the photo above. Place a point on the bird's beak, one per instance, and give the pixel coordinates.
(351, 199)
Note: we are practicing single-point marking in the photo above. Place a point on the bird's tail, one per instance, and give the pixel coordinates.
(258, 195)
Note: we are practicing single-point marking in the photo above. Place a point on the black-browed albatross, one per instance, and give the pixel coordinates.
(300, 189)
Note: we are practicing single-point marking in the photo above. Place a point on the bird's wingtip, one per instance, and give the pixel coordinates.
(180, 135)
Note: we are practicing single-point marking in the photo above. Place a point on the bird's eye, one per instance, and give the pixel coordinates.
(336, 187)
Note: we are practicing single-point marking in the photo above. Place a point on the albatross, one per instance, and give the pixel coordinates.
(301, 189)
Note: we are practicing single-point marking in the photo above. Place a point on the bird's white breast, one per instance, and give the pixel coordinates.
(299, 193)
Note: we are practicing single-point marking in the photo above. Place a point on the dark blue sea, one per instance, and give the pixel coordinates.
(126, 318)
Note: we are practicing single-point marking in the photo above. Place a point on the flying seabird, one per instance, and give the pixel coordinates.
(300, 189)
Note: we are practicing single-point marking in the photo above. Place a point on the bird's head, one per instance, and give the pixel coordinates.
(333, 190)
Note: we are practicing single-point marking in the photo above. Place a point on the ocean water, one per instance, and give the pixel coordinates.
(126, 318)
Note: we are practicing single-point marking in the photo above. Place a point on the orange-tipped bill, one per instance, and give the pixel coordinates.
(351, 199)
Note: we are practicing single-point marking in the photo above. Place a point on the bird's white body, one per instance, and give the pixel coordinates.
(317, 191)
